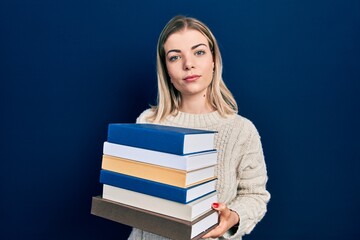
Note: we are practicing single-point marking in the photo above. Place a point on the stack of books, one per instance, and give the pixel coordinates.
(160, 179)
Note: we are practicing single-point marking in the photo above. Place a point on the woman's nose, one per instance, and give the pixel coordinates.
(188, 63)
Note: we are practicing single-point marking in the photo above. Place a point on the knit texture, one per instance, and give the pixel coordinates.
(241, 169)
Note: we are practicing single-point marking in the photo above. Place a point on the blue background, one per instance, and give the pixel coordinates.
(70, 67)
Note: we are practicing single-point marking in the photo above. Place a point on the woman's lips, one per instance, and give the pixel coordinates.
(191, 78)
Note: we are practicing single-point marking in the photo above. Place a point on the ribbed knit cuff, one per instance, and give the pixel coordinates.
(244, 220)
(232, 234)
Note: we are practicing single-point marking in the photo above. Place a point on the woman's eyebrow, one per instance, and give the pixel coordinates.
(198, 45)
(192, 48)
(173, 50)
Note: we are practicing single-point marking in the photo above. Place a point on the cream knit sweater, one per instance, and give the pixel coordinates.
(241, 170)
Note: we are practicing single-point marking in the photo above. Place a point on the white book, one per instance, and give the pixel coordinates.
(187, 212)
(187, 162)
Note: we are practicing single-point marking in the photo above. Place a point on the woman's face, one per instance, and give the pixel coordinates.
(189, 62)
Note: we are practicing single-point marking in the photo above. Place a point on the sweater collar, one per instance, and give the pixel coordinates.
(190, 120)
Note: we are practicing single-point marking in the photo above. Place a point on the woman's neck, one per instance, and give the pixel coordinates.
(196, 104)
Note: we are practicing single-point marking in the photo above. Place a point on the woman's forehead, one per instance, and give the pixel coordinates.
(186, 38)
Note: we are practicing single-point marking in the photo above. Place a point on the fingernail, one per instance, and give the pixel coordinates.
(215, 205)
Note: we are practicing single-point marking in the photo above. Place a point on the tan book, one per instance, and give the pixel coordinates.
(170, 176)
(156, 223)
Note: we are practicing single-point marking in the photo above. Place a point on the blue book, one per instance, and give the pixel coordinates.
(175, 140)
(156, 189)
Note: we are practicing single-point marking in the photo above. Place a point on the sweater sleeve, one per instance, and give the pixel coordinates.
(143, 116)
(252, 197)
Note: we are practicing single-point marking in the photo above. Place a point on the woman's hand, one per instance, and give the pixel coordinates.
(227, 219)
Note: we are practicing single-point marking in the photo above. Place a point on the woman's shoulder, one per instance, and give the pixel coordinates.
(246, 124)
(142, 118)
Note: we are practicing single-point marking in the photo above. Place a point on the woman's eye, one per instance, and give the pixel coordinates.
(200, 52)
(173, 58)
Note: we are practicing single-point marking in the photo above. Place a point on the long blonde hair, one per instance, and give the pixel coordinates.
(169, 98)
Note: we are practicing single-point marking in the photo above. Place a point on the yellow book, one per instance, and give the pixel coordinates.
(170, 176)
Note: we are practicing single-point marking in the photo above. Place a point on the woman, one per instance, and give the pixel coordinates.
(192, 94)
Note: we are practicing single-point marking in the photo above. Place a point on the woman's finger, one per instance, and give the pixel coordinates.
(223, 210)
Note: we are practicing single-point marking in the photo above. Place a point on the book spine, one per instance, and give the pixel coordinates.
(147, 156)
(186, 212)
(152, 140)
(152, 188)
(149, 221)
(187, 162)
(146, 171)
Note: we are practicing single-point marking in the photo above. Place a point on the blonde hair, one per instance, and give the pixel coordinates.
(169, 98)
